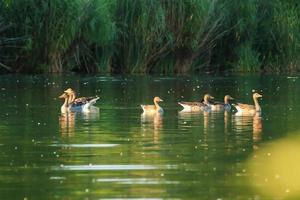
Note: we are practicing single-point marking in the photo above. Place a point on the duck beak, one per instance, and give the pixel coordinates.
(161, 100)
(61, 96)
(211, 97)
(69, 90)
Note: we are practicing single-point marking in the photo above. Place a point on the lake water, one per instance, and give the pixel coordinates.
(119, 154)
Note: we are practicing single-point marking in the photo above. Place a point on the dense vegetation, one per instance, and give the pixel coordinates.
(145, 36)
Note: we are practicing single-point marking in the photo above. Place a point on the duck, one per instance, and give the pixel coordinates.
(72, 97)
(83, 105)
(218, 106)
(247, 109)
(153, 108)
(205, 105)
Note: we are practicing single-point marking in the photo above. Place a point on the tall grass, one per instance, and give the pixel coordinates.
(153, 36)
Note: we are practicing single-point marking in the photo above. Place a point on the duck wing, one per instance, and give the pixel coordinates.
(148, 107)
(81, 101)
(217, 103)
(84, 99)
(191, 103)
(245, 106)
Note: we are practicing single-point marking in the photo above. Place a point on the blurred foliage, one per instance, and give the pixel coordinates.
(155, 36)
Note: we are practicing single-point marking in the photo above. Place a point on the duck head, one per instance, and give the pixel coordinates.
(256, 95)
(207, 97)
(64, 96)
(69, 91)
(227, 98)
(157, 99)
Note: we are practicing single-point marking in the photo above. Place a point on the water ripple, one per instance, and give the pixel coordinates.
(84, 145)
(150, 181)
(111, 167)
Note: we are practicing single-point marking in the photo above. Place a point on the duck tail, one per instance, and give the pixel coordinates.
(143, 107)
(94, 100)
(185, 107)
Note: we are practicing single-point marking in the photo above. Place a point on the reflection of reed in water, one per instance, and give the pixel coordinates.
(67, 123)
(152, 122)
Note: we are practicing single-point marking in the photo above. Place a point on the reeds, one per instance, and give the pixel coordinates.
(153, 36)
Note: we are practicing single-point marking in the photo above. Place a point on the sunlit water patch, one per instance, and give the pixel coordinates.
(274, 168)
(84, 145)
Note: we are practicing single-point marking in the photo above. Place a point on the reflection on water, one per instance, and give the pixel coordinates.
(249, 123)
(111, 167)
(189, 119)
(152, 123)
(67, 123)
(257, 128)
(67, 120)
(121, 154)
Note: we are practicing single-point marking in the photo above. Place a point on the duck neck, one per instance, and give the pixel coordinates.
(156, 105)
(256, 104)
(66, 102)
(206, 100)
(64, 107)
(72, 97)
(226, 101)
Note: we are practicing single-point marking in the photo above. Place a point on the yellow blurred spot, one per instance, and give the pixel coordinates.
(275, 168)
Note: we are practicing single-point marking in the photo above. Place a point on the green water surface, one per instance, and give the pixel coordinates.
(119, 154)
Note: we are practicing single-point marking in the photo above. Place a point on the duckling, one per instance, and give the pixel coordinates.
(205, 105)
(249, 110)
(218, 106)
(153, 108)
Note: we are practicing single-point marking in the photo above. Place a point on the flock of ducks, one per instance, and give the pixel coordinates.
(85, 104)
(208, 104)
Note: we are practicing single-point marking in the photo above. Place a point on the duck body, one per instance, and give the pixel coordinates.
(193, 106)
(220, 106)
(248, 109)
(73, 104)
(152, 109)
(205, 105)
(84, 105)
